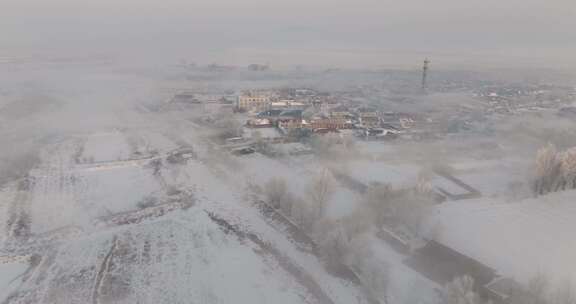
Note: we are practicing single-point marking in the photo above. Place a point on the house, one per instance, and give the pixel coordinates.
(259, 123)
(317, 124)
(340, 111)
(219, 68)
(377, 133)
(369, 121)
(293, 124)
(289, 115)
(325, 131)
(368, 117)
(331, 123)
(442, 264)
(367, 112)
(276, 115)
(405, 120)
(185, 98)
(517, 239)
(269, 114)
(502, 289)
(287, 104)
(258, 67)
(252, 101)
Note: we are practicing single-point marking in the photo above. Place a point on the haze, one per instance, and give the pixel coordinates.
(512, 33)
(287, 152)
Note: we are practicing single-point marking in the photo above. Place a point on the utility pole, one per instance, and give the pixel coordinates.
(425, 74)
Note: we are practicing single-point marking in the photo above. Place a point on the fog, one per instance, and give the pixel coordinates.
(287, 151)
(365, 33)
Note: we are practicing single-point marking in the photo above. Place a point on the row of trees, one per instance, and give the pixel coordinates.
(345, 241)
(462, 290)
(307, 210)
(555, 170)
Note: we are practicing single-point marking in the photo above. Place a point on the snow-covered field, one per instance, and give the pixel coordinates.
(198, 240)
(11, 275)
(181, 255)
(107, 146)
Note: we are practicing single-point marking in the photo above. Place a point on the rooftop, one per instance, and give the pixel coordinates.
(519, 239)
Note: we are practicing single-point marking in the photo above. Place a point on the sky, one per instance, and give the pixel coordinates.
(333, 32)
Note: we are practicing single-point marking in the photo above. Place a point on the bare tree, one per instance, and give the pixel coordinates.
(303, 214)
(356, 224)
(548, 170)
(320, 191)
(565, 294)
(460, 291)
(332, 241)
(374, 273)
(400, 209)
(540, 291)
(568, 168)
(535, 292)
(378, 199)
(278, 195)
(555, 171)
(275, 191)
(538, 287)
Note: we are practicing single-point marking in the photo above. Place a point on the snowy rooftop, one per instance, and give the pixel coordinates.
(518, 239)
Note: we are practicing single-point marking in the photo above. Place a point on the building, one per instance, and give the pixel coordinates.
(288, 104)
(275, 115)
(340, 111)
(317, 124)
(253, 102)
(442, 264)
(259, 123)
(331, 123)
(369, 121)
(185, 98)
(258, 67)
(519, 240)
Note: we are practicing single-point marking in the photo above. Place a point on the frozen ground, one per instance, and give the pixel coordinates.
(160, 254)
(11, 275)
(112, 221)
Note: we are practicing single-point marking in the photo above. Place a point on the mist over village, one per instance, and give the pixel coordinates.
(227, 162)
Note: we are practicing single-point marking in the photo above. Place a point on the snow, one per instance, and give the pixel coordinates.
(518, 239)
(65, 194)
(405, 285)
(106, 146)
(116, 189)
(7, 195)
(10, 275)
(93, 173)
(491, 177)
(172, 261)
(157, 141)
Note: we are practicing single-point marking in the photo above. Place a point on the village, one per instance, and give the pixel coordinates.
(296, 116)
(368, 190)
